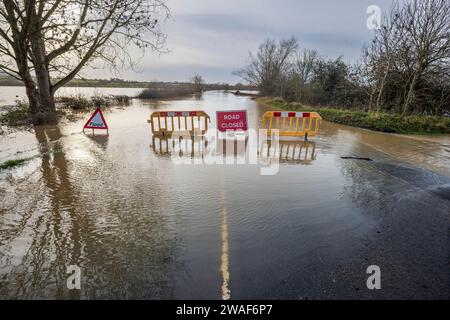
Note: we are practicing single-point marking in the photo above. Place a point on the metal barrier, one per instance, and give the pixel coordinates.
(291, 123)
(165, 123)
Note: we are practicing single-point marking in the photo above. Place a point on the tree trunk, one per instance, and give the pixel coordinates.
(45, 111)
(32, 94)
(410, 94)
(380, 92)
(42, 107)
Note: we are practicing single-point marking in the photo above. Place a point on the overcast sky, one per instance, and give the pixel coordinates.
(213, 37)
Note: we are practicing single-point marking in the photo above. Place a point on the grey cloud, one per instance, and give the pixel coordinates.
(214, 37)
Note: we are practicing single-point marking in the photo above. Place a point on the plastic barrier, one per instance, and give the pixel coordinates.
(167, 146)
(301, 152)
(165, 123)
(291, 123)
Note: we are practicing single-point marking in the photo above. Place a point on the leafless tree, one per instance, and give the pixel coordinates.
(427, 41)
(410, 50)
(198, 82)
(46, 43)
(304, 64)
(266, 68)
(301, 71)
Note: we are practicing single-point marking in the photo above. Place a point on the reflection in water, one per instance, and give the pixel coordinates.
(71, 224)
(182, 146)
(216, 150)
(292, 152)
(101, 140)
(284, 151)
(53, 236)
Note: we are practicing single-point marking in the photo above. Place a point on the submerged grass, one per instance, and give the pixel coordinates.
(80, 102)
(385, 122)
(75, 102)
(17, 115)
(13, 163)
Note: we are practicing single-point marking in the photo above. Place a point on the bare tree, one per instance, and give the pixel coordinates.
(304, 64)
(266, 68)
(301, 71)
(411, 48)
(385, 48)
(427, 42)
(198, 83)
(46, 43)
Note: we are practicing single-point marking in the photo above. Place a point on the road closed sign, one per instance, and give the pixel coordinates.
(232, 120)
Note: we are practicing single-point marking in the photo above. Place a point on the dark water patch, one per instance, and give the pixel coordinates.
(415, 176)
(356, 158)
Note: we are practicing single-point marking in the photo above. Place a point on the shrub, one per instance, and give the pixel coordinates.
(100, 101)
(17, 115)
(121, 99)
(76, 102)
(166, 91)
(385, 122)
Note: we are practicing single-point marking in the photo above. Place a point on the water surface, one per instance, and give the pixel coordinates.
(9, 94)
(140, 226)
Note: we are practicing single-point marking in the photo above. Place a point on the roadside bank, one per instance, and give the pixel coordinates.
(385, 122)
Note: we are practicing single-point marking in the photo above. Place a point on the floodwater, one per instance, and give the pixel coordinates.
(12, 93)
(139, 225)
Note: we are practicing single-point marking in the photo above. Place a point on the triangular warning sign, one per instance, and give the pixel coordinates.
(96, 121)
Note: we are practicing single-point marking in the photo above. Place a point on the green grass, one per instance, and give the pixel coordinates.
(385, 122)
(13, 163)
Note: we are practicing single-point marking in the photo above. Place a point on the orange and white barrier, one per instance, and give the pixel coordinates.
(291, 123)
(165, 123)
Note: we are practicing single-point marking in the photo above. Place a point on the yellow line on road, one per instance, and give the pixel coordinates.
(224, 264)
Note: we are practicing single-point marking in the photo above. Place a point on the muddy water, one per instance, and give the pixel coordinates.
(140, 226)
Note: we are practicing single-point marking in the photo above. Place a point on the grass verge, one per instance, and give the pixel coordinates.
(385, 122)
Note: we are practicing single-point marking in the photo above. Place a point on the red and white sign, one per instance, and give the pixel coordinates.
(96, 121)
(232, 120)
(292, 114)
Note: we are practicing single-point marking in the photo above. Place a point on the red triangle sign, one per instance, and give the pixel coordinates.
(96, 121)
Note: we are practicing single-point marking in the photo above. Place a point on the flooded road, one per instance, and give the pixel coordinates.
(140, 226)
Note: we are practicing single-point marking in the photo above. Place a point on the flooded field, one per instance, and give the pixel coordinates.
(141, 226)
(10, 94)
